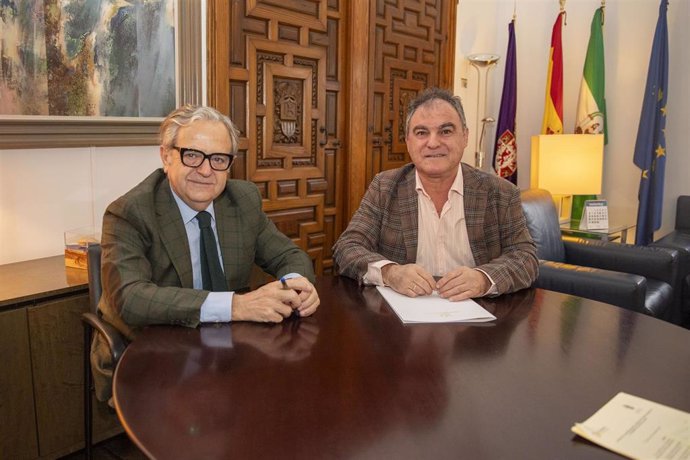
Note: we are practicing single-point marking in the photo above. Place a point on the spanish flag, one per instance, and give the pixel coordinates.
(553, 108)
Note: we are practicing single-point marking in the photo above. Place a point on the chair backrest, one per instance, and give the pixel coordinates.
(542, 223)
(683, 213)
(93, 257)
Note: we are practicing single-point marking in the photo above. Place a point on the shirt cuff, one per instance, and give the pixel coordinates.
(217, 308)
(493, 290)
(373, 274)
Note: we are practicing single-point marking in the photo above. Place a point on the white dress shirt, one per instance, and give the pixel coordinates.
(442, 240)
(218, 305)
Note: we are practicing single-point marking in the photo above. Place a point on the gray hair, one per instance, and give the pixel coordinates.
(188, 114)
(429, 95)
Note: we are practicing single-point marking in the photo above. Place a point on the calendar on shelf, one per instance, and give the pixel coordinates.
(595, 215)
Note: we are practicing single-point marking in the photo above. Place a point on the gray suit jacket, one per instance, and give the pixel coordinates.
(385, 227)
(146, 263)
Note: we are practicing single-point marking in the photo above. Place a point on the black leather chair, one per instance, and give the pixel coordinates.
(633, 277)
(679, 239)
(93, 321)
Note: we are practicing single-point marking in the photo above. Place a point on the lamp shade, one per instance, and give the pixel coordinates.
(567, 164)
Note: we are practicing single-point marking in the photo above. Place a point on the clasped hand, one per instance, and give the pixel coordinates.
(271, 303)
(413, 281)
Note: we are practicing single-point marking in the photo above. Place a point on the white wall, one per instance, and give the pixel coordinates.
(628, 33)
(44, 192)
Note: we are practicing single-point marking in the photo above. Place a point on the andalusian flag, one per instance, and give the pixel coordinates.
(591, 107)
(650, 147)
(553, 108)
(505, 147)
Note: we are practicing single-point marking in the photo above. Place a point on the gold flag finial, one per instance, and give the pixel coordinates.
(563, 12)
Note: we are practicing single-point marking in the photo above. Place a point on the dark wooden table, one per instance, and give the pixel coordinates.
(354, 382)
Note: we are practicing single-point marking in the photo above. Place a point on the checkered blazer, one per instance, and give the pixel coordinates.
(385, 227)
(146, 262)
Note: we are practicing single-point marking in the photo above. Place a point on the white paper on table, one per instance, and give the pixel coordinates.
(638, 428)
(433, 308)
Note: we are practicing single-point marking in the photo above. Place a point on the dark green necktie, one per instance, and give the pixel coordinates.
(211, 273)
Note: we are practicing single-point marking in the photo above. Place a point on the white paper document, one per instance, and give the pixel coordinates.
(638, 428)
(433, 308)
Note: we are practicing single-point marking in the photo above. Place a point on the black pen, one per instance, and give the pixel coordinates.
(283, 281)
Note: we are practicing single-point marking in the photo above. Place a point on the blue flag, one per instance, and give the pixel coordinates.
(505, 147)
(650, 147)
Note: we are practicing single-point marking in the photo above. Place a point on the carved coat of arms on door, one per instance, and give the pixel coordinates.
(288, 112)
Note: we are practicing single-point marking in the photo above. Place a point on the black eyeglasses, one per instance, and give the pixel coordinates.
(194, 158)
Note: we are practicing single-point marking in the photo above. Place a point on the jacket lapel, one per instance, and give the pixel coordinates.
(475, 199)
(173, 234)
(408, 214)
(226, 212)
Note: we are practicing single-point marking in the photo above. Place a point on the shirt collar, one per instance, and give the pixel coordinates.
(457, 186)
(188, 213)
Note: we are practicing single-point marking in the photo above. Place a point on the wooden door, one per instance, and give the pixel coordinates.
(411, 46)
(318, 89)
(275, 68)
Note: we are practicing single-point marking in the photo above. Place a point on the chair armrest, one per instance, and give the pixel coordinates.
(625, 290)
(675, 240)
(116, 341)
(650, 262)
(679, 240)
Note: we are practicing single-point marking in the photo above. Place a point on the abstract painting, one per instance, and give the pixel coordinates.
(113, 58)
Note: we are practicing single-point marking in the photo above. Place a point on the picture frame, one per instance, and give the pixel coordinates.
(21, 132)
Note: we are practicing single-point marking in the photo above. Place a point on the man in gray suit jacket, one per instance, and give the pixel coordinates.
(151, 260)
(439, 224)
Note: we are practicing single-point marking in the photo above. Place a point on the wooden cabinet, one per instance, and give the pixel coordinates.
(57, 345)
(18, 428)
(41, 349)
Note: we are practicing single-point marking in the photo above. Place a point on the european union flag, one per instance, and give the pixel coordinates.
(650, 147)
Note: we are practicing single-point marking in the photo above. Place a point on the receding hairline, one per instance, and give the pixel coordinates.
(427, 97)
(430, 103)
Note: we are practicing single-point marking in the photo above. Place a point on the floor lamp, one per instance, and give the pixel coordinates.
(483, 62)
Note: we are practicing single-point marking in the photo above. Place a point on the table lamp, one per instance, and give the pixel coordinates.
(567, 165)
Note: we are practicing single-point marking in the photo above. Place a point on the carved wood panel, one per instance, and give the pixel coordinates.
(319, 89)
(275, 68)
(409, 44)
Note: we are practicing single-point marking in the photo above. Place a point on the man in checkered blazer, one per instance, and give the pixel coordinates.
(439, 224)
